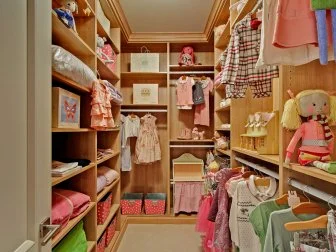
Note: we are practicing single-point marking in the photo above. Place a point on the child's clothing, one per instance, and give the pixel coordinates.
(184, 93)
(295, 24)
(147, 149)
(198, 94)
(202, 111)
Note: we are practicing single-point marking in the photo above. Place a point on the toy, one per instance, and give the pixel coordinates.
(319, 108)
(221, 142)
(187, 57)
(197, 135)
(99, 50)
(213, 166)
(65, 13)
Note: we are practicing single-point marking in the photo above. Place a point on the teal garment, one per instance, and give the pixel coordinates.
(75, 241)
(259, 218)
(277, 237)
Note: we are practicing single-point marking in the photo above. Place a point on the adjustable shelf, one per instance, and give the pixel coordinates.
(274, 159)
(57, 180)
(107, 157)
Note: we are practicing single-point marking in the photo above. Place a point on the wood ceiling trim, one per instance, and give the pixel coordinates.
(133, 37)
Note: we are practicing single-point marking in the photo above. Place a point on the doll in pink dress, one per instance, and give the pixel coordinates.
(319, 108)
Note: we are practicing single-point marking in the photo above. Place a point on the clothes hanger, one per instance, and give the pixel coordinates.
(203, 77)
(237, 169)
(184, 77)
(247, 174)
(265, 181)
(282, 200)
(308, 207)
(320, 222)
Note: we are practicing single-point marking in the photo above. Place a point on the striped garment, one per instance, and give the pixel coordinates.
(323, 120)
(240, 60)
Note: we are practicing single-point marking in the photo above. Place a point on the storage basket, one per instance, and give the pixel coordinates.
(103, 209)
(155, 203)
(110, 232)
(101, 243)
(131, 203)
(111, 61)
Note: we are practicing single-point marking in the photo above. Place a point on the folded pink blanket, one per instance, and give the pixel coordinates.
(80, 201)
(108, 173)
(61, 210)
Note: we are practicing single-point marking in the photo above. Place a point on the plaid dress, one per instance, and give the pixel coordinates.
(240, 60)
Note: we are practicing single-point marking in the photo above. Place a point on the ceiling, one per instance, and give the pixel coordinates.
(167, 16)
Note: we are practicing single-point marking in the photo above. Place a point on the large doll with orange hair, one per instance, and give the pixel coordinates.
(318, 109)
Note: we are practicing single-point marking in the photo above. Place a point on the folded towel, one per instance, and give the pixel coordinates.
(108, 173)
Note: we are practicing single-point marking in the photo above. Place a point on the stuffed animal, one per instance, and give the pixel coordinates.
(65, 13)
(195, 134)
(319, 108)
(100, 45)
(187, 57)
(221, 142)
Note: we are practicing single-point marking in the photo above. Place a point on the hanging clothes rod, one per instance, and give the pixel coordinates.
(191, 146)
(258, 167)
(192, 72)
(257, 6)
(144, 110)
(331, 199)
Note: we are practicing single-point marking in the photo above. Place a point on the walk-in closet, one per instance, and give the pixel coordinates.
(190, 125)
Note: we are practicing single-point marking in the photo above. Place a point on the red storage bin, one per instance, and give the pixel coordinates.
(155, 203)
(110, 231)
(101, 243)
(111, 61)
(131, 203)
(103, 209)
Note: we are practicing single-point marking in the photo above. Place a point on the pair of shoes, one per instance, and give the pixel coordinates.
(185, 134)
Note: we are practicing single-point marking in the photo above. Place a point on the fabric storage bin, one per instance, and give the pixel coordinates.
(103, 209)
(110, 232)
(131, 203)
(101, 243)
(145, 61)
(155, 203)
(145, 93)
(111, 61)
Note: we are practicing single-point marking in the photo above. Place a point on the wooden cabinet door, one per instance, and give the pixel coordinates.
(25, 109)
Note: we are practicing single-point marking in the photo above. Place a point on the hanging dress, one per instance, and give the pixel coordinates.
(147, 149)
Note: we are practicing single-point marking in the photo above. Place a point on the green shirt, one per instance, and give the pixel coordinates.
(259, 218)
(277, 237)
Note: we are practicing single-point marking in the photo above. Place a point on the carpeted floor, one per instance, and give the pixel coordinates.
(160, 238)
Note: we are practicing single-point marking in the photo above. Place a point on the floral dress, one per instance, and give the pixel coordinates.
(147, 149)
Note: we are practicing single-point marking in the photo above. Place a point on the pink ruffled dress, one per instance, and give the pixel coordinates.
(101, 114)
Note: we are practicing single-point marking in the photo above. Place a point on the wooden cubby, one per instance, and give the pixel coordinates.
(84, 142)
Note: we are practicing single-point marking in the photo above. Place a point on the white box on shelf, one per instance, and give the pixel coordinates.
(145, 62)
(145, 93)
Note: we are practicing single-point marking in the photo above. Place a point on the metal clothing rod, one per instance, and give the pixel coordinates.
(331, 199)
(256, 6)
(192, 72)
(145, 110)
(191, 146)
(258, 167)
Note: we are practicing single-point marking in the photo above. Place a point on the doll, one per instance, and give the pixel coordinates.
(221, 142)
(319, 108)
(321, 8)
(187, 57)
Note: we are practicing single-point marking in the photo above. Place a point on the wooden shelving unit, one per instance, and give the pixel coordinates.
(274, 159)
(225, 152)
(57, 180)
(139, 75)
(225, 108)
(197, 68)
(107, 157)
(84, 142)
(101, 228)
(71, 224)
(113, 241)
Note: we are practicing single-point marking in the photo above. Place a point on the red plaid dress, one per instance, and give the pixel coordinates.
(241, 58)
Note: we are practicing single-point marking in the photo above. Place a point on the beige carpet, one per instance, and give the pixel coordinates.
(160, 238)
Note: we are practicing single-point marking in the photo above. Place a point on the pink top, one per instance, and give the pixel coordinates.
(310, 130)
(295, 24)
(184, 93)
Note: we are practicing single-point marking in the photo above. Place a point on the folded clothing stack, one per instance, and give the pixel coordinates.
(105, 177)
(62, 167)
(75, 241)
(101, 153)
(66, 205)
